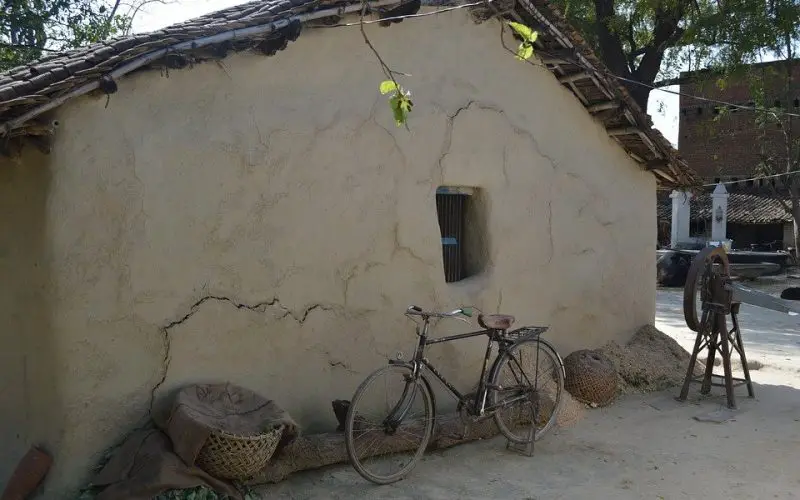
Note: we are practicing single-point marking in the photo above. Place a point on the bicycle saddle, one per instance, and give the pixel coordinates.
(496, 321)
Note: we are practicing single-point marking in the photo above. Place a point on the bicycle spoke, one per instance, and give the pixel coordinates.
(385, 454)
(527, 370)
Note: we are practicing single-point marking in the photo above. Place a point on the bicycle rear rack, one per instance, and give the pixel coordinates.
(525, 332)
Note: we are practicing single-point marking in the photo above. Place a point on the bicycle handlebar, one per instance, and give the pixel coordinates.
(417, 311)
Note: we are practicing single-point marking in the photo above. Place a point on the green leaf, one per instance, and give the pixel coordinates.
(388, 86)
(525, 51)
(525, 32)
(401, 107)
(406, 104)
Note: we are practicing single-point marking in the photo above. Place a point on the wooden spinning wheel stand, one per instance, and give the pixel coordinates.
(710, 274)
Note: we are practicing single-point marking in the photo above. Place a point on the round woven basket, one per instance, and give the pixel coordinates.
(229, 456)
(590, 377)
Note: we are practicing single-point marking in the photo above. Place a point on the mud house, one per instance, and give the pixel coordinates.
(219, 214)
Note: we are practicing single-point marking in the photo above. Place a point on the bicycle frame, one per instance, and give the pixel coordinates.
(418, 362)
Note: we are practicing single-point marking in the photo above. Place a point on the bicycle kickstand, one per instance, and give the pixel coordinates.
(526, 448)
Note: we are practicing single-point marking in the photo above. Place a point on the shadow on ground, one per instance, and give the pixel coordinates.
(771, 337)
(645, 446)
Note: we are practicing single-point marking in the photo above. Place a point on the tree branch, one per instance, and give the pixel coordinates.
(16, 46)
(110, 18)
(610, 44)
(633, 54)
(666, 32)
(666, 82)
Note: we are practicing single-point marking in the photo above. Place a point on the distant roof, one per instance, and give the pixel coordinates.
(743, 208)
(26, 92)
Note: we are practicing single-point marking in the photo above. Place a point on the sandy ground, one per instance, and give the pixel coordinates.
(644, 446)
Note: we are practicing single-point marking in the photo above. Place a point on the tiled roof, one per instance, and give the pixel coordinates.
(743, 208)
(27, 92)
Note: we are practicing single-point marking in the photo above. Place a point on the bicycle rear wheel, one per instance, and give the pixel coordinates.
(515, 373)
(380, 452)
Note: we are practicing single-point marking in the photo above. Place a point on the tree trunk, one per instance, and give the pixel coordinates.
(639, 93)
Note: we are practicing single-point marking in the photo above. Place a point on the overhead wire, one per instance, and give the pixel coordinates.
(584, 67)
(600, 72)
(782, 174)
(574, 62)
(409, 16)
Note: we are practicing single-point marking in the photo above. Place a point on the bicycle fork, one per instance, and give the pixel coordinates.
(401, 408)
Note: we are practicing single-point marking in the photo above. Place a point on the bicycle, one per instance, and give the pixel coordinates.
(494, 397)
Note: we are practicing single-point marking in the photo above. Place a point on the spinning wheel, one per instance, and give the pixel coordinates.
(709, 275)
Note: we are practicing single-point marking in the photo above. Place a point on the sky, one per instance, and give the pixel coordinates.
(662, 107)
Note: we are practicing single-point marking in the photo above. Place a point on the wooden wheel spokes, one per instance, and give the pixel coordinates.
(710, 273)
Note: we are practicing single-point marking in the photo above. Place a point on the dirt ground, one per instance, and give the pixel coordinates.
(644, 446)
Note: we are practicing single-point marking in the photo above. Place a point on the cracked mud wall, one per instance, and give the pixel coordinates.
(29, 385)
(265, 222)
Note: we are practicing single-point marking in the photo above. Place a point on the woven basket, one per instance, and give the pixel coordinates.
(590, 377)
(229, 456)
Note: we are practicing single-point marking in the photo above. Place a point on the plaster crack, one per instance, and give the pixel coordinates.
(398, 247)
(328, 127)
(303, 317)
(346, 277)
(505, 166)
(448, 137)
(369, 118)
(550, 230)
(257, 307)
(393, 139)
(517, 130)
(340, 364)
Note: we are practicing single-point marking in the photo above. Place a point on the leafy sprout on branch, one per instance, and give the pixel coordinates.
(525, 49)
(400, 98)
(399, 101)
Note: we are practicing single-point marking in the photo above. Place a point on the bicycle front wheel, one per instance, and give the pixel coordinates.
(516, 373)
(389, 424)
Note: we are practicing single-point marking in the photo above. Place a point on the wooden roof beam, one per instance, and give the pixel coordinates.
(603, 106)
(656, 164)
(574, 77)
(613, 132)
(667, 177)
(558, 56)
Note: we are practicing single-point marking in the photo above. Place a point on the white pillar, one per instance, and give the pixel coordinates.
(719, 213)
(680, 217)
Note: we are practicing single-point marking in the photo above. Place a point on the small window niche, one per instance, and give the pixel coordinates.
(463, 226)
